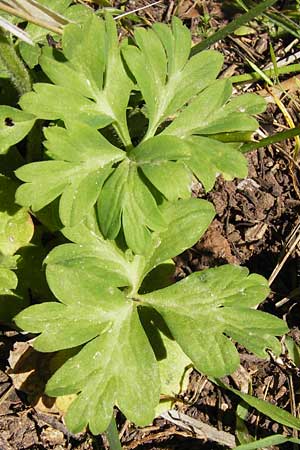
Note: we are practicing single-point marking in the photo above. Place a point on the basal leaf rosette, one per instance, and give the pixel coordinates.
(188, 111)
(103, 314)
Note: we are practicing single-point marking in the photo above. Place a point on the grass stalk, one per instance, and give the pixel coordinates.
(232, 26)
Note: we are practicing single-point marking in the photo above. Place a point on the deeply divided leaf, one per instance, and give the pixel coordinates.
(215, 304)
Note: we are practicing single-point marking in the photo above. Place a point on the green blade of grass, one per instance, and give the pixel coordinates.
(232, 26)
(260, 72)
(274, 62)
(285, 23)
(278, 137)
(112, 435)
(255, 76)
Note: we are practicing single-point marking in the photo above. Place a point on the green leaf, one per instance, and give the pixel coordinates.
(110, 202)
(209, 158)
(72, 270)
(174, 366)
(16, 230)
(102, 372)
(55, 102)
(35, 192)
(16, 227)
(83, 160)
(91, 83)
(105, 260)
(211, 113)
(293, 350)
(14, 126)
(8, 279)
(216, 303)
(159, 159)
(160, 149)
(11, 302)
(172, 179)
(140, 214)
(164, 74)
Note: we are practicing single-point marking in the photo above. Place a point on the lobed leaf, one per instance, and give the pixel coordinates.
(52, 102)
(91, 83)
(83, 160)
(210, 113)
(215, 304)
(164, 74)
(210, 158)
(102, 372)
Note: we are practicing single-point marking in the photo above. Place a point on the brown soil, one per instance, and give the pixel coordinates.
(254, 219)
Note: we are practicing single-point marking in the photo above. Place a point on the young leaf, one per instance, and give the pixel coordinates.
(14, 126)
(215, 303)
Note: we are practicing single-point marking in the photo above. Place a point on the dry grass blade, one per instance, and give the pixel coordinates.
(199, 428)
(16, 31)
(38, 11)
(33, 12)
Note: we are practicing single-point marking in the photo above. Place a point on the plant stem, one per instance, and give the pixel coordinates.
(278, 137)
(14, 66)
(254, 76)
(113, 435)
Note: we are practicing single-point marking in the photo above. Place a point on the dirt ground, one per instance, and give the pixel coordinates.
(253, 227)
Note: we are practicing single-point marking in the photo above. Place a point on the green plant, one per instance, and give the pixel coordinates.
(130, 127)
